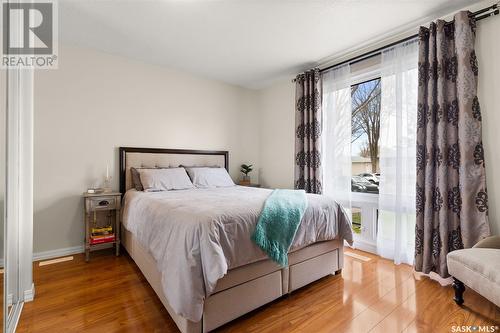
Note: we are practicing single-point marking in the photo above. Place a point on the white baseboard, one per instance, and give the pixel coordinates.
(365, 246)
(29, 295)
(44, 255)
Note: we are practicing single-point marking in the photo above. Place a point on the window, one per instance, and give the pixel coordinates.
(365, 169)
(365, 133)
(370, 117)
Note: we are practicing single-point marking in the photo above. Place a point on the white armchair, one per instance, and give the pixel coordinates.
(477, 268)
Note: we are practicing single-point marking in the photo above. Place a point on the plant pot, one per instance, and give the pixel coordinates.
(245, 180)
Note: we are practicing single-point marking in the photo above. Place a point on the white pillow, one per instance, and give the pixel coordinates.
(210, 177)
(164, 179)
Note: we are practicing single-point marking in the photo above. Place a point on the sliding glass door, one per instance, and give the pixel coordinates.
(16, 182)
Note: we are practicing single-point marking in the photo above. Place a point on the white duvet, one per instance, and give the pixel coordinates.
(196, 235)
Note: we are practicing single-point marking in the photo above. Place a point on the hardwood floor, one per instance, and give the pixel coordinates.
(109, 294)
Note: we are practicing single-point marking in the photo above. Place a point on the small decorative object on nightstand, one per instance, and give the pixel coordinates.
(107, 181)
(245, 170)
(102, 221)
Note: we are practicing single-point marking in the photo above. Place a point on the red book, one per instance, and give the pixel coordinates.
(101, 240)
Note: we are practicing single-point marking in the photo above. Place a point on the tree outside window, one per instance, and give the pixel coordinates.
(366, 124)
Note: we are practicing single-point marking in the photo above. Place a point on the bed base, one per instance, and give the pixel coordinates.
(245, 288)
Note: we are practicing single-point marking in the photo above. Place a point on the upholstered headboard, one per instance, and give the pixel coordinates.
(158, 157)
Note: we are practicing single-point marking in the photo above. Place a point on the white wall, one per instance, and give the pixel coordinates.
(277, 121)
(95, 103)
(277, 135)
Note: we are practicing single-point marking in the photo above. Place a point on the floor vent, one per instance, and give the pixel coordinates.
(357, 256)
(55, 261)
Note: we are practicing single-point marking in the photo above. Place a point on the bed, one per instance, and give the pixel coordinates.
(194, 248)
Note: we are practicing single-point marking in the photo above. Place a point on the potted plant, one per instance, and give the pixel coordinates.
(245, 170)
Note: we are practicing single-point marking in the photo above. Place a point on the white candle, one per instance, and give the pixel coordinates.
(107, 171)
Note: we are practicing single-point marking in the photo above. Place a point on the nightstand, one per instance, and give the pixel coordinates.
(102, 221)
(250, 185)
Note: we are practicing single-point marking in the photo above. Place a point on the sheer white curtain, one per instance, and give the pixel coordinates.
(337, 135)
(398, 119)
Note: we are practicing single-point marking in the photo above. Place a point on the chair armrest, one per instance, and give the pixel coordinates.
(492, 242)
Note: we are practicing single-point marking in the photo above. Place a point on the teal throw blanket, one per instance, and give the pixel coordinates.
(278, 223)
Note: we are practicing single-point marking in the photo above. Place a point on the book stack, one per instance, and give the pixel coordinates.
(102, 235)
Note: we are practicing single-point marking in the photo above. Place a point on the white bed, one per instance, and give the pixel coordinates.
(194, 247)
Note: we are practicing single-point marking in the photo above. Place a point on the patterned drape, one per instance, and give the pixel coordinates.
(451, 196)
(308, 174)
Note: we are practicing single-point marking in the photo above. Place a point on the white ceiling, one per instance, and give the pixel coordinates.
(247, 43)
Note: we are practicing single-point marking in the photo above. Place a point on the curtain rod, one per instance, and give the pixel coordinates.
(479, 15)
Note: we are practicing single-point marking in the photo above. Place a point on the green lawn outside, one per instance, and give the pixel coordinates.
(356, 222)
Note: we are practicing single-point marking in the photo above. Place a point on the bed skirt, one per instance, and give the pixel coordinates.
(245, 288)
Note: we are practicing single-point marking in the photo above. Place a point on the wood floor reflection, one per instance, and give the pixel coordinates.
(110, 294)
